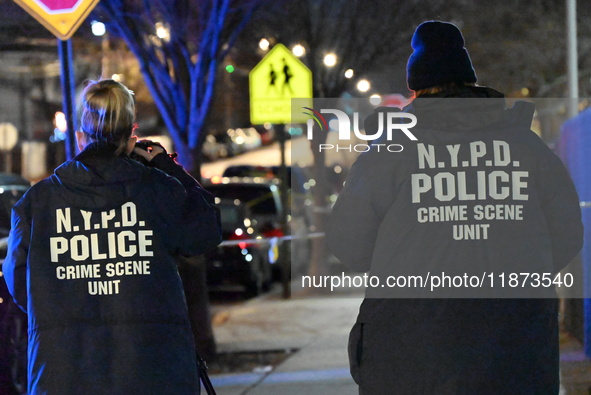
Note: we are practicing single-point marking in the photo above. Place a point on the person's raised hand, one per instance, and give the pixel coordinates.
(150, 152)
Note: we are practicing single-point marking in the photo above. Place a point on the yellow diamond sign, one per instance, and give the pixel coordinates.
(60, 17)
(275, 80)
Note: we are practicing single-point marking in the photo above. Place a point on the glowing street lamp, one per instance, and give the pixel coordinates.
(330, 59)
(60, 121)
(363, 85)
(298, 50)
(349, 73)
(162, 31)
(264, 44)
(98, 28)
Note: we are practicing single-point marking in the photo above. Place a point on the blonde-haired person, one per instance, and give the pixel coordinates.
(107, 112)
(91, 260)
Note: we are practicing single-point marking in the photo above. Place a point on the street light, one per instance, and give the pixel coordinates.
(349, 73)
(98, 28)
(60, 121)
(363, 85)
(298, 50)
(264, 44)
(162, 31)
(330, 59)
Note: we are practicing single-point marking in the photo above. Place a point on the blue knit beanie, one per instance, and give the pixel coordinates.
(439, 56)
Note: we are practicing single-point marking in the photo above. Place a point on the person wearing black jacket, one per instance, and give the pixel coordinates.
(91, 259)
(476, 193)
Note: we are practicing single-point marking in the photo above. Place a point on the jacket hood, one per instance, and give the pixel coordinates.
(99, 179)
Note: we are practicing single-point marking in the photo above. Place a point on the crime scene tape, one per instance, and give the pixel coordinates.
(264, 240)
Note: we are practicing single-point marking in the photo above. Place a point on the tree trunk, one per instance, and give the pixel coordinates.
(185, 157)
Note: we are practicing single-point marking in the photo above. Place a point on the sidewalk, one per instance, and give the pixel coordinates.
(318, 327)
(575, 367)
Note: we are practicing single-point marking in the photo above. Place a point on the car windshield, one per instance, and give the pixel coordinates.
(258, 198)
(229, 216)
(268, 172)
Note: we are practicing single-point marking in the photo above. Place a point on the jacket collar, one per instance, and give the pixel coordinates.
(98, 178)
(466, 108)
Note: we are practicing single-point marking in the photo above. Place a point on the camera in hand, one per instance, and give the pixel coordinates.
(146, 145)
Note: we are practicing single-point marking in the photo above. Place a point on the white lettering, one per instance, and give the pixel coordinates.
(57, 246)
(426, 154)
(477, 150)
(128, 214)
(106, 216)
(144, 242)
(63, 220)
(453, 154)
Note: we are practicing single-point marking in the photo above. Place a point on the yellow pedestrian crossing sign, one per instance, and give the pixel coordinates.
(275, 80)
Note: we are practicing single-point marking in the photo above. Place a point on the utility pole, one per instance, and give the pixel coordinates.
(572, 57)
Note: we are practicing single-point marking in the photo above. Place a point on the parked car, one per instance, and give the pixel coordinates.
(266, 172)
(214, 147)
(259, 195)
(239, 260)
(261, 198)
(12, 188)
(245, 139)
(13, 321)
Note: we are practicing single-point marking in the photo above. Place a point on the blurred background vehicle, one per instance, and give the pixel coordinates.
(12, 188)
(259, 195)
(298, 248)
(239, 261)
(245, 139)
(262, 203)
(268, 172)
(216, 146)
(13, 321)
(220, 145)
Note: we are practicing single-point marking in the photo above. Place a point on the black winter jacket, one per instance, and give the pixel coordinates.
(91, 260)
(478, 192)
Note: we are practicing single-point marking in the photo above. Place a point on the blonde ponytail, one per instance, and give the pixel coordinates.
(107, 113)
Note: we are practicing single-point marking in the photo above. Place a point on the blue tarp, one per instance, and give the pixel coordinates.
(574, 148)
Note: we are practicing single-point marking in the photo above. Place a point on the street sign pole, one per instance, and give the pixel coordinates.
(277, 79)
(62, 18)
(283, 191)
(68, 94)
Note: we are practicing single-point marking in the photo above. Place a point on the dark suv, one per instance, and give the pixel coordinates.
(244, 257)
(260, 196)
(255, 202)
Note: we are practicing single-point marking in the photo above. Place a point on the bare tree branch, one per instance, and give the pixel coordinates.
(179, 70)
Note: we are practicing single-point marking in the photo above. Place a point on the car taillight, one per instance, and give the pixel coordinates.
(239, 235)
(274, 232)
